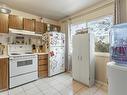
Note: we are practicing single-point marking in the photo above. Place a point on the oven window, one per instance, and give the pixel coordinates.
(24, 63)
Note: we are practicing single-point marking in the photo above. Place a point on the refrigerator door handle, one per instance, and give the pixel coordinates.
(78, 57)
(81, 58)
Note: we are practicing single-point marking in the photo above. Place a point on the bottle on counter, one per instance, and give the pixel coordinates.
(2, 49)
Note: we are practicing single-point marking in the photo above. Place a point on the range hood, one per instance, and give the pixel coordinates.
(23, 32)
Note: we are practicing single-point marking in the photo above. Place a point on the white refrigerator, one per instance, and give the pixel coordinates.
(55, 46)
(83, 62)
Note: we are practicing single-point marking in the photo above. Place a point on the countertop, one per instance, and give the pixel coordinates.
(4, 56)
(40, 53)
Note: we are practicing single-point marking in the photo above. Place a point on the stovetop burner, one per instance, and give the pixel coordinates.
(28, 53)
(15, 54)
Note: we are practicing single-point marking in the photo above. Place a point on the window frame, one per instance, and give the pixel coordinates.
(86, 22)
(97, 19)
(70, 35)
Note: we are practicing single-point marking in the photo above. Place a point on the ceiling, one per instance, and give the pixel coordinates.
(53, 9)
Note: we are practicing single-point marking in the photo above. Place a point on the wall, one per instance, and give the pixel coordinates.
(101, 62)
(126, 10)
(46, 20)
(123, 12)
(99, 10)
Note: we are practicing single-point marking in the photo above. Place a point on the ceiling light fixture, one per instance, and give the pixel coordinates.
(5, 10)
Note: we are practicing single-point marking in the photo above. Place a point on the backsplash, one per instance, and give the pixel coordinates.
(24, 39)
(17, 39)
(4, 39)
(3, 44)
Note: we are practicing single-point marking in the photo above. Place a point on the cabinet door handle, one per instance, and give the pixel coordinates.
(78, 57)
(81, 58)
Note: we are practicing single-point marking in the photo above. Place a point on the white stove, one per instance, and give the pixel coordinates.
(23, 65)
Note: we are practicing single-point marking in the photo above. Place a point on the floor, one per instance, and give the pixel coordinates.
(58, 85)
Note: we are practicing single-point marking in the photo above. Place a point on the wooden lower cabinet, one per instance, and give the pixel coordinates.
(43, 62)
(43, 68)
(43, 65)
(4, 74)
(43, 74)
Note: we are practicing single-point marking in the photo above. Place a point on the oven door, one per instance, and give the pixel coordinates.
(22, 66)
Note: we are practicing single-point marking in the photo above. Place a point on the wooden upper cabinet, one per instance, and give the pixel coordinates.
(15, 22)
(4, 74)
(45, 27)
(29, 24)
(39, 27)
(4, 23)
(51, 27)
(58, 28)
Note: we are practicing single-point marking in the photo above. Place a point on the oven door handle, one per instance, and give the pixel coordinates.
(11, 58)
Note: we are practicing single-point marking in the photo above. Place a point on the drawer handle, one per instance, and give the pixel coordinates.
(43, 58)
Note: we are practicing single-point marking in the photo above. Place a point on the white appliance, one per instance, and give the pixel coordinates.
(22, 65)
(55, 46)
(23, 32)
(83, 61)
(117, 79)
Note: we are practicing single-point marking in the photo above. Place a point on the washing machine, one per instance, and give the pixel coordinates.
(117, 79)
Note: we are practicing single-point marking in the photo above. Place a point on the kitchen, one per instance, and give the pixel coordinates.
(22, 43)
(62, 47)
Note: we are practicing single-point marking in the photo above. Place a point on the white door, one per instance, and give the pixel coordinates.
(84, 58)
(75, 58)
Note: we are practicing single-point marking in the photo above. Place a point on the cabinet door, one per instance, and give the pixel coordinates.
(29, 24)
(58, 28)
(39, 27)
(55, 28)
(75, 58)
(4, 23)
(51, 27)
(3, 74)
(45, 27)
(84, 59)
(15, 22)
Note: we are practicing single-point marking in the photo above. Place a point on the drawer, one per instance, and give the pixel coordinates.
(22, 79)
(43, 68)
(43, 62)
(44, 56)
(43, 74)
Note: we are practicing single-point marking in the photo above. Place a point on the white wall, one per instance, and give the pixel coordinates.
(100, 9)
(123, 11)
(100, 69)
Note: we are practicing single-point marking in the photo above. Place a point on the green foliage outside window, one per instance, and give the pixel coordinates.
(101, 29)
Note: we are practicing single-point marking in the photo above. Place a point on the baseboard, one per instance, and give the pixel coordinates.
(101, 83)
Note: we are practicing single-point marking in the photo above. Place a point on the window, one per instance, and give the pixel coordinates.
(73, 30)
(101, 29)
